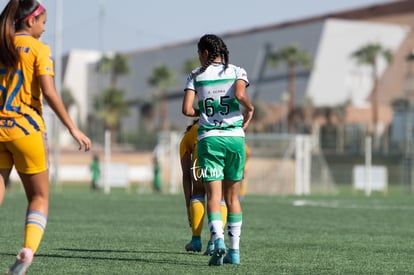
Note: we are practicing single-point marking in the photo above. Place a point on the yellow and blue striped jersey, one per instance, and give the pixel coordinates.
(20, 91)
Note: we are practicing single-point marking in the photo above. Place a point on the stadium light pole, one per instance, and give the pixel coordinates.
(101, 23)
(58, 84)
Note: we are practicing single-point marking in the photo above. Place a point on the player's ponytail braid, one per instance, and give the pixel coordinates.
(224, 52)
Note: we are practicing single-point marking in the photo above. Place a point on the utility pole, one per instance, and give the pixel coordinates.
(101, 48)
(58, 84)
(408, 157)
(101, 26)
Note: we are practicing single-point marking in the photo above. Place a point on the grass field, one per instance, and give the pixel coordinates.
(130, 233)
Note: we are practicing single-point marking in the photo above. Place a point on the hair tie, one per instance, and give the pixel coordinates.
(38, 10)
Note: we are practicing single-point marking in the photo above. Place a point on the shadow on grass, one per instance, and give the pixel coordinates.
(109, 258)
(120, 251)
(7, 254)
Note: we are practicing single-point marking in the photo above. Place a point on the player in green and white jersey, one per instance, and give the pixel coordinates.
(225, 111)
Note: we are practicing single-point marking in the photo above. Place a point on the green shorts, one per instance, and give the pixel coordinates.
(221, 158)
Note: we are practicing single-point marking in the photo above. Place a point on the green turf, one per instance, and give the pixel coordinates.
(130, 233)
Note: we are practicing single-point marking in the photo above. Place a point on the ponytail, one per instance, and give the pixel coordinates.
(13, 18)
(8, 52)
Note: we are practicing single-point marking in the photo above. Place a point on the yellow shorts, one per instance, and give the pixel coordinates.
(28, 154)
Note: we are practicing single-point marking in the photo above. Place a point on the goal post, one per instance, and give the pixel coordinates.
(287, 164)
(167, 151)
(302, 164)
(279, 164)
(114, 174)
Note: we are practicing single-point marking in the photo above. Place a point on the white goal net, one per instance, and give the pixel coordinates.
(278, 164)
(287, 164)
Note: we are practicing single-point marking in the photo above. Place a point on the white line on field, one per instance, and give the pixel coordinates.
(336, 204)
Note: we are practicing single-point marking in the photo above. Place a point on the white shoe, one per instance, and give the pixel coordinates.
(23, 260)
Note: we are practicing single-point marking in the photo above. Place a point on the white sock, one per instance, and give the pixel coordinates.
(234, 231)
(216, 229)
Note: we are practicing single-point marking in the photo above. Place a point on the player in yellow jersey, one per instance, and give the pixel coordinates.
(26, 77)
(194, 191)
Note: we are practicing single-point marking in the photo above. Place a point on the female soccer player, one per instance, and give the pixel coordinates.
(194, 192)
(26, 77)
(221, 91)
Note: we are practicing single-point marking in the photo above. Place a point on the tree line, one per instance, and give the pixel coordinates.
(110, 105)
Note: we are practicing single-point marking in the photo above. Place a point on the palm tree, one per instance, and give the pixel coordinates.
(69, 101)
(115, 67)
(340, 113)
(190, 64)
(111, 106)
(260, 114)
(67, 98)
(292, 56)
(162, 78)
(369, 55)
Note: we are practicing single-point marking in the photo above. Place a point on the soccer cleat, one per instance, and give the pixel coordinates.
(193, 246)
(210, 249)
(23, 260)
(232, 257)
(219, 251)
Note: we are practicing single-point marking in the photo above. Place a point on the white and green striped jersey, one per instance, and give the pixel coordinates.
(220, 111)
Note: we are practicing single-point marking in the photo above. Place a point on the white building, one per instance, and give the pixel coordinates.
(329, 39)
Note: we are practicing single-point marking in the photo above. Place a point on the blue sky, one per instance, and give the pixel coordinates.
(123, 25)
